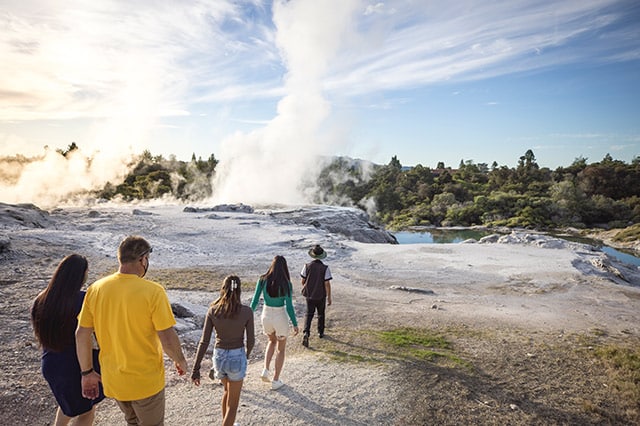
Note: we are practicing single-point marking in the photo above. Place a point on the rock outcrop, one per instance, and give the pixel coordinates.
(349, 222)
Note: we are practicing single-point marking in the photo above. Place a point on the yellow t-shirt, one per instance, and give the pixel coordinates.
(126, 312)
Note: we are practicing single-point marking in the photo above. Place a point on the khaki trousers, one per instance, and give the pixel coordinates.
(144, 412)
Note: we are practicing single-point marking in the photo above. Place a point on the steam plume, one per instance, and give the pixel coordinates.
(273, 164)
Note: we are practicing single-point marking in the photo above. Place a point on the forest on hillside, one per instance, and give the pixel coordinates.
(603, 194)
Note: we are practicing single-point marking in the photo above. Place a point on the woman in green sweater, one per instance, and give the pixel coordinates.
(275, 288)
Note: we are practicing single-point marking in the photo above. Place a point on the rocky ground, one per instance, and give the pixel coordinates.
(527, 335)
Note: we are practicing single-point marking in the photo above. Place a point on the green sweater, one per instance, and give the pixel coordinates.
(275, 302)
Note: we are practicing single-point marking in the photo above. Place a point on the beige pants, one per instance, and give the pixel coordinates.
(144, 412)
(275, 320)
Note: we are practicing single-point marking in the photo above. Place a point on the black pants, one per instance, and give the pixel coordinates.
(312, 306)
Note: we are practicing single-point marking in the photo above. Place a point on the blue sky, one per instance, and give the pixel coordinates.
(427, 81)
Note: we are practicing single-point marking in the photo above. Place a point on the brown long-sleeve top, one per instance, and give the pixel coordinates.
(230, 333)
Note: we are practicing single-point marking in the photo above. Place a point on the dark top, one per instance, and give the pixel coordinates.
(62, 371)
(315, 274)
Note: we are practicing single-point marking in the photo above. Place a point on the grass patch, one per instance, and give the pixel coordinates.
(410, 337)
(629, 234)
(623, 360)
(420, 345)
(379, 347)
(624, 364)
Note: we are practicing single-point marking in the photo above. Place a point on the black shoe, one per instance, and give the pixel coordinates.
(305, 341)
(321, 335)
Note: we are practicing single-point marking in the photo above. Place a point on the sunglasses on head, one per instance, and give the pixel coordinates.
(146, 252)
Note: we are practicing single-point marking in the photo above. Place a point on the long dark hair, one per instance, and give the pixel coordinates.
(277, 278)
(54, 311)
(228, 303)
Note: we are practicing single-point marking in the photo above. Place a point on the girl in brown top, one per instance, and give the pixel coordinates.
(232, 321)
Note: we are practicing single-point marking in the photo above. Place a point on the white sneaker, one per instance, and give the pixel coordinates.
(276, 384)
(265, 375)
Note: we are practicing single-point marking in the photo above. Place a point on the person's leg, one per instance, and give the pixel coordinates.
(321, 306)
(282, 342)
(86, 419)
(225, 397)
(61, 418)
(129, 413)
(150, 411)
(311, 307)
(232, 391)
(270, 349)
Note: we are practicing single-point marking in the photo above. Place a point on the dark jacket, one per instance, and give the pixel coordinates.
(314, 284)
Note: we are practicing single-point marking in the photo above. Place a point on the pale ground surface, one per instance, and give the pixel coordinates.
(526, 294)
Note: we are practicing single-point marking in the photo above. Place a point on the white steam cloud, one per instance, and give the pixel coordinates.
(274, 164)
(54, 179)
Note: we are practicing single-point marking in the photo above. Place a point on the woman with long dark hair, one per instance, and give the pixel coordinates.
(54, 318)
(275, 288)
(232, 321)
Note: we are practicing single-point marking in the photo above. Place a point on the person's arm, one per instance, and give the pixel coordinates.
(290, 311)
(171, 346)
(256, 295)
(251, 336)
(84, 352)
(327, 288)
(203, 345)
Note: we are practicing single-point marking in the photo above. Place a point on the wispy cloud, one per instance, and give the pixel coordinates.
(473, 40)
(62, 60)
(111, 55)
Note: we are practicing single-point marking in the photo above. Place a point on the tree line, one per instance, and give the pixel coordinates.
(605, 193)
(582, 195)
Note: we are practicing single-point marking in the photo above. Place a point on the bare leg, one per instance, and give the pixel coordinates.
(232, 394)
(86, 419)
(225, 396)
(282, 342)
(61, 419)
(270, 349)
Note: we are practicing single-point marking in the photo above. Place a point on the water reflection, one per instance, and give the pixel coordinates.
(440, 236)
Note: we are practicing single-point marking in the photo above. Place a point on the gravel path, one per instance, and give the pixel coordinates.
(317, 391)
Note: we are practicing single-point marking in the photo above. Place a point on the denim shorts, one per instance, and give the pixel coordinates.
(230, 364)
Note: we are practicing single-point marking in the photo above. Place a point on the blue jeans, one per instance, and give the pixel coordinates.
(230, 364)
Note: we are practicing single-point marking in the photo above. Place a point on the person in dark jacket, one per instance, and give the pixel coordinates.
(316, 288)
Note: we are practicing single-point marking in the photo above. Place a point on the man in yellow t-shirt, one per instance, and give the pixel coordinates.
(133, 323)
